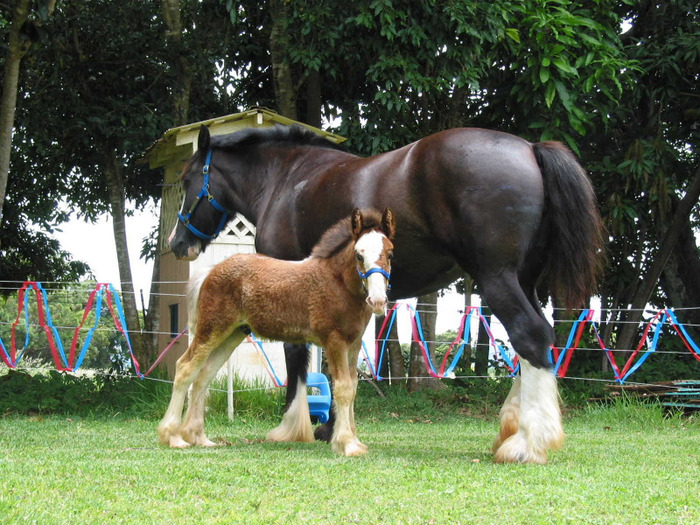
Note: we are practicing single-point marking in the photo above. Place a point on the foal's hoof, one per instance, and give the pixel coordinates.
(351, 448)
(516, 449)
(197, 438)
(178, 442)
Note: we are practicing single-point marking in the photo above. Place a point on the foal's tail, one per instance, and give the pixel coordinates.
(576, 245)
(193, 299)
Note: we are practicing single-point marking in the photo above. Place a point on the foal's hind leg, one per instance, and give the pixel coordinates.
(193, 427)
(534, 401)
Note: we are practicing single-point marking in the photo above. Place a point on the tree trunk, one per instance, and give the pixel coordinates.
(417, 369)
(16, 49)
(179, 63)
(151, 323)
(483, 345)
(468, 355)
(282, 75)
(115, 186)
(681, 280)
(180, 102)
(650, 280)
(313, 98)
(392, 365)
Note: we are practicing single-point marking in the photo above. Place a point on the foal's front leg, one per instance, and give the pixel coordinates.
(344, 440)
(187, 369)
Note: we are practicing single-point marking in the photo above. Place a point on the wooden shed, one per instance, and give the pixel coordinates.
(171, 152)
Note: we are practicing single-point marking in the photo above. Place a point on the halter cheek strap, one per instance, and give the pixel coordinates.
(365, 276)
(204, 192)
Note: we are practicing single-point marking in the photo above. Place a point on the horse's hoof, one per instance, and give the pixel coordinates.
(324, 432)
(516, 449)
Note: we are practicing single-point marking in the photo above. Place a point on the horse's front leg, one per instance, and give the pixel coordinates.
(344, 440)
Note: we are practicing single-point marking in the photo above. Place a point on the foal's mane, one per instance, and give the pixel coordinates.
(338, 236)
(292, 135)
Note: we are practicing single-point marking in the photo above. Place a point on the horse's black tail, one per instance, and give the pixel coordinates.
(576, 244)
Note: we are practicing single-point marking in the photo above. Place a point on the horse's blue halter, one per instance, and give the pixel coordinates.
(204, 192)
(364, 276)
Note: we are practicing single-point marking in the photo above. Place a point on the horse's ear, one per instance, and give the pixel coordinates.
(356, 222)
(388, 226)
(203, 140)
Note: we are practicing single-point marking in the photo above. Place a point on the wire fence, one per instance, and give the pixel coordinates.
(55, 309)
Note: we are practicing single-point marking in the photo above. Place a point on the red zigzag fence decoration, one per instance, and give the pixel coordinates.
(561, 358)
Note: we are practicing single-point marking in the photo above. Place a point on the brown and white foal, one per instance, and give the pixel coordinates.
(326, 299)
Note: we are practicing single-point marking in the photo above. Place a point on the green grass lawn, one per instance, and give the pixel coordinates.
(621, 464)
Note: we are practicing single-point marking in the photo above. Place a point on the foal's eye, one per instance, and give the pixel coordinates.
(359, 257)
(390, 255)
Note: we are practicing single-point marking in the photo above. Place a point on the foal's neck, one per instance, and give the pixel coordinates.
(343, 267)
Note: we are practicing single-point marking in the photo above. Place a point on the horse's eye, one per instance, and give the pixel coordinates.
(390, 255)
(359, 257)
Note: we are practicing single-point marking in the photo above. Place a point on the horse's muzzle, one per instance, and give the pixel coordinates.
(184, 251)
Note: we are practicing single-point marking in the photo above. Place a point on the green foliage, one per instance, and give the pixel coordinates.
(61, 393)
(647, 155)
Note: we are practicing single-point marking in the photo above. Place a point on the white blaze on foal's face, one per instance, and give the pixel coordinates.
(368, 252)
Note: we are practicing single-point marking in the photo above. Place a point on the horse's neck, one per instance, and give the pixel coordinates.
(278, 170)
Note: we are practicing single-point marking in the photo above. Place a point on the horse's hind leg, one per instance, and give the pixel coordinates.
(532, 406)
(193, 427)
(296, 422)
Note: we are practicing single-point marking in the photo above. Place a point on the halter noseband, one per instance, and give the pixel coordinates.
(365, 276)
(204, 192)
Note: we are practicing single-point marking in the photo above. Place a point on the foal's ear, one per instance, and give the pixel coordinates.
(203, 140)
(388, 226)
(356, 222)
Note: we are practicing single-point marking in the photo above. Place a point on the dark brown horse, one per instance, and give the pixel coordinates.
(507, 211)
(326, 299)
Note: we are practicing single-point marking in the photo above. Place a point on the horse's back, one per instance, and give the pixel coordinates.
(479, 193)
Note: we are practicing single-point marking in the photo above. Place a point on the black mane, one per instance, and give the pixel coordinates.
(293, 135)
(338, 236)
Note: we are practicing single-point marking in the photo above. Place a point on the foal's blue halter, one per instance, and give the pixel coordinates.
(365, 276)
(204, 192)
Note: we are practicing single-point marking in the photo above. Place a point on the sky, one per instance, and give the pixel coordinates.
(94, 245)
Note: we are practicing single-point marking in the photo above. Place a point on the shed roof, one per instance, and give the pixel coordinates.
(179, 143)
